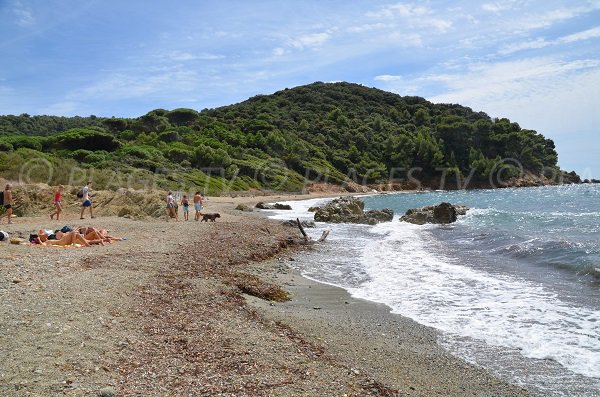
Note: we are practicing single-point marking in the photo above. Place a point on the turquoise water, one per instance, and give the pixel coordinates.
(513, 286)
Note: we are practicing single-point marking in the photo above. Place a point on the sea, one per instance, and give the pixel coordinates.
(513, 286)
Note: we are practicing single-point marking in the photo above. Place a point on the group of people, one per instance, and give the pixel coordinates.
(172, 209)
(84, 194)
(82, 236)
(86, 203)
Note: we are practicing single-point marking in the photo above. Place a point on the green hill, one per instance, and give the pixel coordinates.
(320, 132)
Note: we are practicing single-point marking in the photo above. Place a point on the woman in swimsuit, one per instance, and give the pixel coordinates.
(57, 202)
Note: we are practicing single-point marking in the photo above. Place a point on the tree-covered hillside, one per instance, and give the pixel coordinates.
(321, 132)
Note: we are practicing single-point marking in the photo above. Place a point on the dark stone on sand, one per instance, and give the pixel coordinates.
(243, 207)
(351, 210)
(443, 213)
(264, 206)
(293, 223)
(276, 206)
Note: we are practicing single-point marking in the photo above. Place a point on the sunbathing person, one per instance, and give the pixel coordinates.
(71, 238)
(91, 233)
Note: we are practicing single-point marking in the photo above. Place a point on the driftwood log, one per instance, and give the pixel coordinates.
(306, 240)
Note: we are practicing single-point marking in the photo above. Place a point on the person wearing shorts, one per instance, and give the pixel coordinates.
(186, 207)
(8, 202)
(198, 205)
(171, 211)
(87, 201)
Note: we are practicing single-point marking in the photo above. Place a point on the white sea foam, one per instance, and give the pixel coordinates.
(408, 273)
(299, 209)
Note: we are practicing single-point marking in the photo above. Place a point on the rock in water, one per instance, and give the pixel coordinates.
(443, 214)
(384, 215)
(351, 210)
(279, 206)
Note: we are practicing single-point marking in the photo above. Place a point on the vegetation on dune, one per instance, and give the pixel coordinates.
(320, 132)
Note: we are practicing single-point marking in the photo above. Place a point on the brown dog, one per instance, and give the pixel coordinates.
(211, 217)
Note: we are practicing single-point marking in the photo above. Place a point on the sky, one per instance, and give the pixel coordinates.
(534, 62)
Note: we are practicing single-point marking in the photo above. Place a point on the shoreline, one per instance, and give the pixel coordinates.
(159, 313)
(395, 350)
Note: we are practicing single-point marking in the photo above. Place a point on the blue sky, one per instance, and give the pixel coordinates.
(535, 62)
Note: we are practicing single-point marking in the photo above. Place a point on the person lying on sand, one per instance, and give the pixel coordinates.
(91, 233)
(70, 238)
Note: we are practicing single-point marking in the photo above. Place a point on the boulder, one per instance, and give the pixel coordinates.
(443, 213)
(293, 223)
(384, 215)
(351, 210)
(243, 207)
(276, 206)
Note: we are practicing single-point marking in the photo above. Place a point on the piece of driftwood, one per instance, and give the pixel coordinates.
(302, 229)
(306, 240)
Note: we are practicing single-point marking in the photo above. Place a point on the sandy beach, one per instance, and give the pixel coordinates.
(165, 313)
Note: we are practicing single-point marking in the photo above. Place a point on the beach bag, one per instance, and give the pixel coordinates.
(3, 235)
(80, 193)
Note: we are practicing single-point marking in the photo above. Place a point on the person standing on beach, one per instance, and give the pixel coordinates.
(198, 202)
(171, 212)
(57, 202)
(8, 202)
(186, 207)
(87, 201)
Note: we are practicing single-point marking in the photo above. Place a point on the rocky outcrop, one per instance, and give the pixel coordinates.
(384, 215)
(276, 206)
(351, 210)
(443, 213)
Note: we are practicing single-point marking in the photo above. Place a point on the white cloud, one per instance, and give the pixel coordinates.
(498, 6)
(368, 27)
(23, 15)
(584, 35)
(541, 93)
(388, 77)
(400, 9)
(541, 43)
(528, 45)
(279, 51)
(405, 40)
(310, 40)
(415, 15)
(549, 18)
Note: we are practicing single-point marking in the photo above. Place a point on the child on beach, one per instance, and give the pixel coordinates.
(186, 207)
(171, 212)
(8, 202)
(57, 202)
(197, 205)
